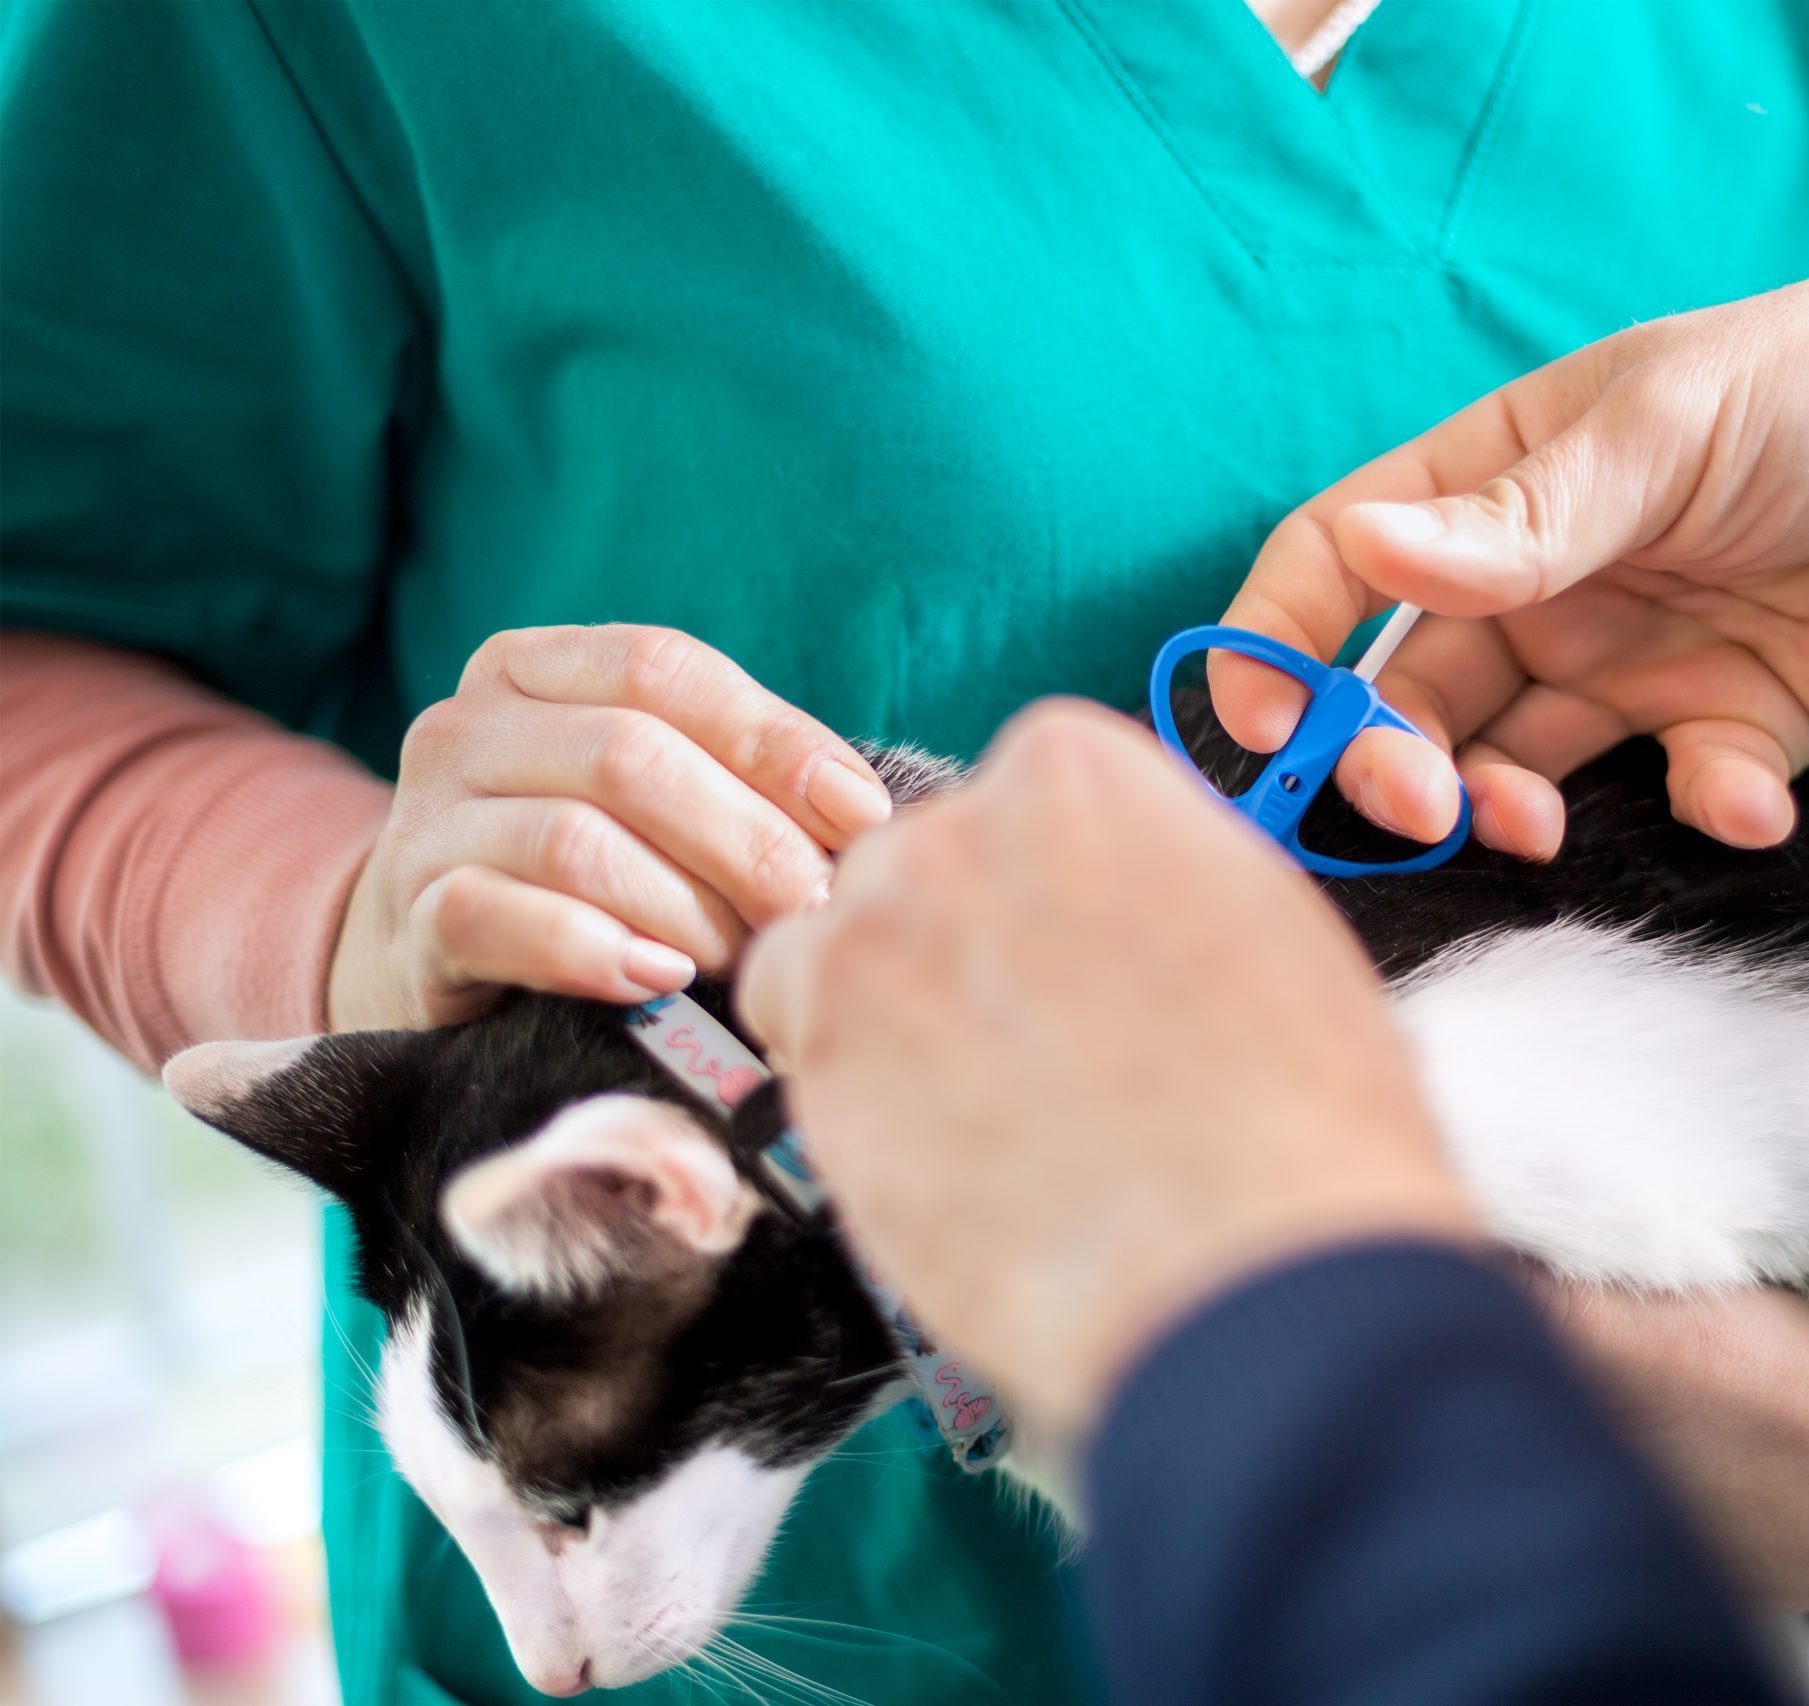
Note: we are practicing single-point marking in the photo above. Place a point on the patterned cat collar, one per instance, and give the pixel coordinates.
(715, 1065)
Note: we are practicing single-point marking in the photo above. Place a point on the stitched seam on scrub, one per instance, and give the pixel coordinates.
(1140, 103)
(366, 213)
(1422, 255)
(1488, 128)
(1358, 158)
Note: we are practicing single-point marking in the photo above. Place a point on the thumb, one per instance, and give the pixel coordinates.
(1582, 500)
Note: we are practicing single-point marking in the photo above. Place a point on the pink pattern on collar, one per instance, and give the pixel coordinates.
(731, 1083)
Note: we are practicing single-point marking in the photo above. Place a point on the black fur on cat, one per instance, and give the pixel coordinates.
(782, 1348)
(582, 1400)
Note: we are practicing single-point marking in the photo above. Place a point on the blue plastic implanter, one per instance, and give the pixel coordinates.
(1342, 706)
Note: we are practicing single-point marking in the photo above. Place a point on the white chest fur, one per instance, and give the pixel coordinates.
(1626, 1111)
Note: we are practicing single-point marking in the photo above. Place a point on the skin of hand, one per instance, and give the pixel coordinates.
(1082, 1032)
(1715, 1390)
(597, 811)
(1618, 544)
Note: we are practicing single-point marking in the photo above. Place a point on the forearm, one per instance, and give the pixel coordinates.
(1370, 1478)
(172, 866)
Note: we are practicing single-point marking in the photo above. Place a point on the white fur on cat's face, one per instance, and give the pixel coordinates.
(652, 1578)
(643, 1589)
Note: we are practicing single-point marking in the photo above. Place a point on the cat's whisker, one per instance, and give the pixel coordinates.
(877, 1641)
(359, 1360)
(718, 1662)
(850, 1380)
(805, 1627)
(783, 1676)
(430, 1565)
(361, 1402)
(744, 1679)
(897, 1458)
(354, 1404)
(697, 1679)
(343, 1400)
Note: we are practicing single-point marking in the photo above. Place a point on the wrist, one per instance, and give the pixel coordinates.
(352, 999)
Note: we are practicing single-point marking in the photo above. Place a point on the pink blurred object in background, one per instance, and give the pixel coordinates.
(214, 1591)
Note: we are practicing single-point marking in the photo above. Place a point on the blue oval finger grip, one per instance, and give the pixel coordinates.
(1342, 706)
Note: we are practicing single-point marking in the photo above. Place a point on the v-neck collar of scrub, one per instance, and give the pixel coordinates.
(1314, 57)
(1372, 173)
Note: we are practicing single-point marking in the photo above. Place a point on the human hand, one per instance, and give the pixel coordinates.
(597, 811)
(1619, 543)
(1075, 1046)
(1714, 1388)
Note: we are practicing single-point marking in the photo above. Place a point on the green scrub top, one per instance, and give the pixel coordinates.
(923, 355)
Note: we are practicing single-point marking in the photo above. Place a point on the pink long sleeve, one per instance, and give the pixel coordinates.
(172, 866)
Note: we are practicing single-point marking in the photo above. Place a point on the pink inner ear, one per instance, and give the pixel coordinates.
(573, 1204)
(602, 1194)
(211, 1077)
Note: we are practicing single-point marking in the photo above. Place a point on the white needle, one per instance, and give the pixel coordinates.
(1381, 648)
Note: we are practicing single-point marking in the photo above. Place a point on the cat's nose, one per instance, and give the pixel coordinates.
(565, 1686)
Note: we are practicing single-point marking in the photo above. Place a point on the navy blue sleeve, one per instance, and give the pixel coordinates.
(1370, 1479)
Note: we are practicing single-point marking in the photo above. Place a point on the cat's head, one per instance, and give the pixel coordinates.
(609, 1367)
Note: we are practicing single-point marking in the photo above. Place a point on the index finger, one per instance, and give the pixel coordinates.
(810, 773)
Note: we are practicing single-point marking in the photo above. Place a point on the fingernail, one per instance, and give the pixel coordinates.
(1401, 524)
(847, 798)
(655, 966)
(819, 896)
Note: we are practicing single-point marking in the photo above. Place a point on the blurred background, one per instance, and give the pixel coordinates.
(159, 1396)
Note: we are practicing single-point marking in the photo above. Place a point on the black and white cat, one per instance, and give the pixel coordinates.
(610, 1367)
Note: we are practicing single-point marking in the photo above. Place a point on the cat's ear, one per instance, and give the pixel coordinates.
(615, 1186)
(314, 1104)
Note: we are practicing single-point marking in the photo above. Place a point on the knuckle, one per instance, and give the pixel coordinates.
(1510, 499)
(786, 741)
(449, 910)
(432, 735)
(776, 869)
(629, 753)
(1622, 353)
(1050, 750)
(573, 854)
(488, 661)
(491, 661)
(498, 655)
(654, 662)
(1529, 503)
(1043, 738)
